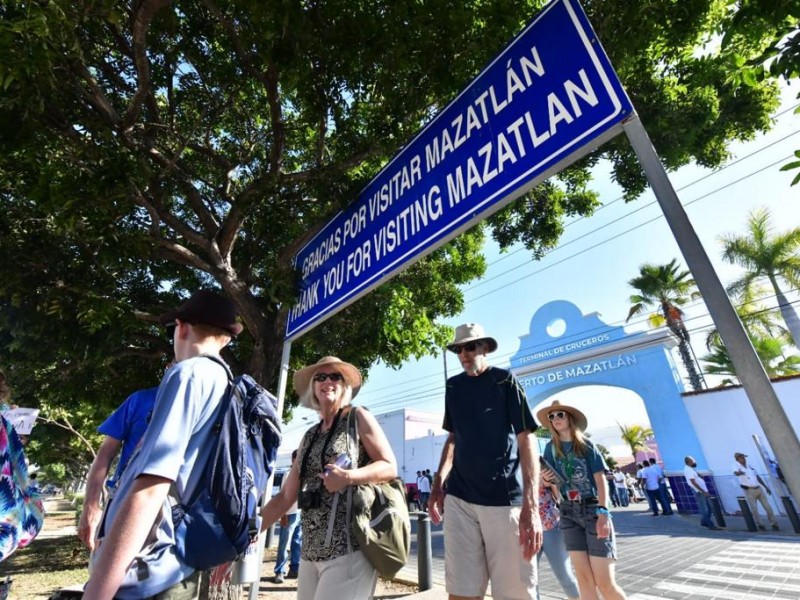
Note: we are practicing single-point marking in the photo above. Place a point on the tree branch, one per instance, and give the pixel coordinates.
(147, 9)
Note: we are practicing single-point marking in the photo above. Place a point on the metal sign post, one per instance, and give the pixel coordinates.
(782, 437)
(283, 377)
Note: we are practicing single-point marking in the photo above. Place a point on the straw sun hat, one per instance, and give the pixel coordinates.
(302, 377)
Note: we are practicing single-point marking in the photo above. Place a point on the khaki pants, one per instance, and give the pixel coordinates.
(757, 495)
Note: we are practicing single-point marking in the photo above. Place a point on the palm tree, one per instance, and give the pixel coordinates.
(669, 288)
(765, 254)
(636, 437)
(769, 350)
(758, 320)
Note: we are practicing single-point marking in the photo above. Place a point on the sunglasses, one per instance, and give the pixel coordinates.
(559, 414)
(170, 327)
(469, 347)
(320, 377)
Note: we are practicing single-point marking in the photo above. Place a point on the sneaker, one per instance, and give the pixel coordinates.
(291, 574)
(278, 578)
(775, 527)
(762, 528)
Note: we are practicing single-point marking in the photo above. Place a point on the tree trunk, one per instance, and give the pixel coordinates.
(683, 349)
(787, 312)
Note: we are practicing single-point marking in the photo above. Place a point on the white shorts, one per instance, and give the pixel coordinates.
(482, 545)
(349, 576)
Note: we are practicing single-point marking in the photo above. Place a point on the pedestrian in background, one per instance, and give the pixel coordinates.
(553, 546)
(424, 487)
(700, 490)
(585, 519)
(122, 431)
(751, 483)
(622, 487)
(289, 542)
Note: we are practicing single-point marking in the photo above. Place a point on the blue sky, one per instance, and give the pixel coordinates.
(591, 267)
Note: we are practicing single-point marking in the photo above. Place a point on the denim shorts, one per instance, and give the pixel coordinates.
(579, 526)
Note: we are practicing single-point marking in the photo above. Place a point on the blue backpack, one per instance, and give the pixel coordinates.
(220, 520)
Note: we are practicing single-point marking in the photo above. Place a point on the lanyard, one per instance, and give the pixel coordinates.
(324, 446)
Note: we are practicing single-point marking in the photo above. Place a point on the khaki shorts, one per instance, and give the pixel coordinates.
(482, 544)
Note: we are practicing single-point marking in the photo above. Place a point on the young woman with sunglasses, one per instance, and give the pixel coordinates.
(585, 518)
(331, 565)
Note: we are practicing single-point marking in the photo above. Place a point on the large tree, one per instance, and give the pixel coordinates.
(668, 288)
(151, 147)
(770, 256)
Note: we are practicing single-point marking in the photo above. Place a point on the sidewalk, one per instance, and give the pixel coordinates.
(658, 555)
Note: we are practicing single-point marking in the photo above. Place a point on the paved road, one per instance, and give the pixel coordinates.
(673, 557)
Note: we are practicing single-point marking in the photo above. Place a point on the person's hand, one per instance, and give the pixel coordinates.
(530, 530)
(284, 521)
(334, 478)
(436, 504)
(604, 526)
(547, 476)
(87, 527)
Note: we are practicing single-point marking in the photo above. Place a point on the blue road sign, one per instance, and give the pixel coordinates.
(549, 98)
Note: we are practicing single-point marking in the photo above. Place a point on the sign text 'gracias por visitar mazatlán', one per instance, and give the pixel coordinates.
(533, 106)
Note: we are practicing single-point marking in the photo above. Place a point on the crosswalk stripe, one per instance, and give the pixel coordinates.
(753, 583)
(696, 592)
(747, 570)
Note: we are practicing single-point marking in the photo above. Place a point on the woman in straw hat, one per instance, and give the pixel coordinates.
(331, 565)
(585, 518)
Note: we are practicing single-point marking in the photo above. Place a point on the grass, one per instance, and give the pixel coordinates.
(49, 563)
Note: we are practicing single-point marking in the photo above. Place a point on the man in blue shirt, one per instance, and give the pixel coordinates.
(177, 438)
(123, 429)
(492, 528)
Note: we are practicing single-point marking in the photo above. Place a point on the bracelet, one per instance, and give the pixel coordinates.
(602, 510)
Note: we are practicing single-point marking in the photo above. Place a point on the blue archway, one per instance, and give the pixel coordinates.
(565, 349)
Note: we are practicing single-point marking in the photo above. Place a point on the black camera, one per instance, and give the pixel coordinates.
(309, 499)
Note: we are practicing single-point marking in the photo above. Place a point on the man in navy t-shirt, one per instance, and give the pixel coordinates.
(492, 527)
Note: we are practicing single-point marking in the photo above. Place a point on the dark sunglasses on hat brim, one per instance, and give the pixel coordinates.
(320, 377)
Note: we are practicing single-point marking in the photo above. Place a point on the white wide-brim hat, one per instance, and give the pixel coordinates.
(471, 332)
(302, 377)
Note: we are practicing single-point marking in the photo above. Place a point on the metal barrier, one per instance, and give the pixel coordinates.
(424, 551)
(748, 516)
(791, 513)
(716, 508)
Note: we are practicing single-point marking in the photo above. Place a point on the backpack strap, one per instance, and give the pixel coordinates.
(221, 363)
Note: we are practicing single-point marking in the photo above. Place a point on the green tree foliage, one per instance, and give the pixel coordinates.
(762, 39)
(757, 319)
(635, 437)
(769, 351)
(764, 254)
(149, 148)
(668, 288)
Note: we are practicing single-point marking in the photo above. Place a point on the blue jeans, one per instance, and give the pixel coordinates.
(556, 553)
(622, 493)
(294, 533)
(705, 509)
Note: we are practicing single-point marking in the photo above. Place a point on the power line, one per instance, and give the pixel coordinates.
(618, 198)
